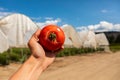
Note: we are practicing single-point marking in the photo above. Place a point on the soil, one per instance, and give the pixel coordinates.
(97, 66)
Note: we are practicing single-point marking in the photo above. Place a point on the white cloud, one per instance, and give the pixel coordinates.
(48, 18)
(106, 25)
(104, 11)
(2, 9)
(53, 21)
(91, 27)
(42, 24)
(35, 18)
(65, 25)
(2, 14)
(102, 26)
(116, 27)
(82, 28)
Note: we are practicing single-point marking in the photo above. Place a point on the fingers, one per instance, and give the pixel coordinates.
(35, 36)
(57, 51)
(62, 47)
(37, 33)
(54, 53)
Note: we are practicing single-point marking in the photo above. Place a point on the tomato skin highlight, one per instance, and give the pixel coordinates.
(52, 37)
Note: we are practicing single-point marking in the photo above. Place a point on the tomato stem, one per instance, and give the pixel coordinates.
(52, 36)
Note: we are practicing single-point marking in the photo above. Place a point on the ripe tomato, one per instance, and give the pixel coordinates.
(52, 37)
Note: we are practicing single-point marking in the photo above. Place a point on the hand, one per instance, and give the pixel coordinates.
(38, 52)
(36, 63)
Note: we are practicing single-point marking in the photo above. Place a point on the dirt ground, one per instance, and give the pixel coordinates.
(98, 66)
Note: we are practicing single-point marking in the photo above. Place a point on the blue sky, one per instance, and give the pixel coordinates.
(77, 13)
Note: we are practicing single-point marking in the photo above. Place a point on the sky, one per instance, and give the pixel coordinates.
(81, 14)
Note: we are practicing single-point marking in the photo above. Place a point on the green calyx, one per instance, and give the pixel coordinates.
(52, 37)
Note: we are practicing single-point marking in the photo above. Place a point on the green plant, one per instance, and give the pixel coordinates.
(14, 57)
(115, 47)
(21, 54)
(23, 58)
(74, 51)
(4, 60)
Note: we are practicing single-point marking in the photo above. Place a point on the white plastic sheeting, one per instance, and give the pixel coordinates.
(3, 42)
(90, 40)
(68, 42)
(15, 27)
(83, 35)
(16, 30)
(101, 40)
(72, 37)
(28, 35)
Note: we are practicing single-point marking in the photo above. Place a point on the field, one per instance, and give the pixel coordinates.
(115, 47)
(21, 54)
(71, 64)
(97, 66)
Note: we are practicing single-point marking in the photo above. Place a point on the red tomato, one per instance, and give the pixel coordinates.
(52, 37)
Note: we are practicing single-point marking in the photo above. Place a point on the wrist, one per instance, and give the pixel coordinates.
(32, 69)
(33, 61)
(35, 68)
(42, 61)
